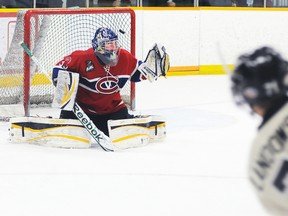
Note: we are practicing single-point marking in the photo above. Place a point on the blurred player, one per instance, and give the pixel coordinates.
(103, 70)
(260, 80)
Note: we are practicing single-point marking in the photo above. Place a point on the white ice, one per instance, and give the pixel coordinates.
(199, 170)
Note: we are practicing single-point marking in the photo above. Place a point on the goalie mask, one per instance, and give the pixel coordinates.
(259, 77)
(105, 45)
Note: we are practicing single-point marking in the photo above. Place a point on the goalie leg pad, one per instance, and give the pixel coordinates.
(157, 129)
(136, 132)
(61, 133)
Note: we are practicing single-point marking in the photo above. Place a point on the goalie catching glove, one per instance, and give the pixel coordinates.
(156, 64)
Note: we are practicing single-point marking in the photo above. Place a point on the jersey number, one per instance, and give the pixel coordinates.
(279, 182)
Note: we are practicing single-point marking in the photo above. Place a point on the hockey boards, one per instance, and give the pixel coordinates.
(61, 133)
(136, 132)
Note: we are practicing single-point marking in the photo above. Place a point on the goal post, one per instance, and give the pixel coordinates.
(52, 34)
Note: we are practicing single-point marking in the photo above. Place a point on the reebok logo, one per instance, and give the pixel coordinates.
(88, 124)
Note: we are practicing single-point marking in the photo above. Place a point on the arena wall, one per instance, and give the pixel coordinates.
(199, 40)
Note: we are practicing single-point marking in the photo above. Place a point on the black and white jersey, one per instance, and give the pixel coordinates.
(268, 164)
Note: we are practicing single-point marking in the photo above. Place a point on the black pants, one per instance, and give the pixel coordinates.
(100, 120)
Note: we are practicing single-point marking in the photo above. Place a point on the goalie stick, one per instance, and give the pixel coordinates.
(101, 139)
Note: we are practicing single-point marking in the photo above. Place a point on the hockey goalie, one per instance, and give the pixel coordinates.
(88, 84)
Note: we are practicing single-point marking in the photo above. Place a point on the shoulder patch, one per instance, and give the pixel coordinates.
(89, 66)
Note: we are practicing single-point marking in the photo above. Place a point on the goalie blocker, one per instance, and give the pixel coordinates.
(70, 133)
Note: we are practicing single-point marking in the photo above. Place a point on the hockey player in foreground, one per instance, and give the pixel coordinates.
(101, 72)
(260, 79)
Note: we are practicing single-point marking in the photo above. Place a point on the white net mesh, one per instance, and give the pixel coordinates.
(52, 35)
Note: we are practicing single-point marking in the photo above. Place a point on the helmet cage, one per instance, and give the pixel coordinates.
(106, 47)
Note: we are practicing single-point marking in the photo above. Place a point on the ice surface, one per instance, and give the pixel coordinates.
(199, 170)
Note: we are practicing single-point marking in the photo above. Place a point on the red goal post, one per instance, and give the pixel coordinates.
(52, 34)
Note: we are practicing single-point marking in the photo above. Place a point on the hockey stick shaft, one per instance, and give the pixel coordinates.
(101, 139)
(227, 70)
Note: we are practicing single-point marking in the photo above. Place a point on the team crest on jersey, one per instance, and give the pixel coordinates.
(104, 85)
(89, 66)
(107, 85)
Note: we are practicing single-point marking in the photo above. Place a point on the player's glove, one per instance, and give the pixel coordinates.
(156, 64)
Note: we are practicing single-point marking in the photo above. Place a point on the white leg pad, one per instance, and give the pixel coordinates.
(61, 133)
(136, 132)
(157, 129)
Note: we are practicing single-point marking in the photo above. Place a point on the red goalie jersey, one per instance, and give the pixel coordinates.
(100, 85)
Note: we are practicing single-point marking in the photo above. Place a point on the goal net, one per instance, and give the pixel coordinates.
(52, 34)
